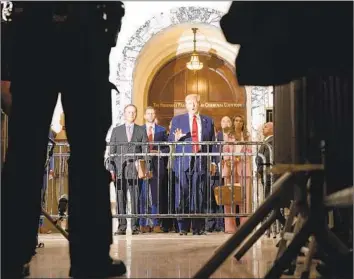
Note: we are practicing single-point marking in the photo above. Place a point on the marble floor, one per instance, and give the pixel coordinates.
(160, 256)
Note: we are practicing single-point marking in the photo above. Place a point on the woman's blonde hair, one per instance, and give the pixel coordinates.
(229, 131)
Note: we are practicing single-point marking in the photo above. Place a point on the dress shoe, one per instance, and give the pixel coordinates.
(144, 229)
(120, 232)
(199, 233)
(115, 268)
(183, 233)
(157, 229)
(135, 232)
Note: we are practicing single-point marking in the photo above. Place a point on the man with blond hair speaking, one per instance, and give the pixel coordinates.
(191, 171)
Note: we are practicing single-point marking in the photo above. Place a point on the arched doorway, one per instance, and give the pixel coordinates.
(215, 83)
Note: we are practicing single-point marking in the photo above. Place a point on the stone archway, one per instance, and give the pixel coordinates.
(124, 79)
(176, 41)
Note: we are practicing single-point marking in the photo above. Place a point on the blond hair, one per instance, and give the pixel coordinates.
(189, 96)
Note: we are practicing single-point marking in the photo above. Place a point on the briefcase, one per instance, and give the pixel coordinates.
(225, 196)
(143, 173)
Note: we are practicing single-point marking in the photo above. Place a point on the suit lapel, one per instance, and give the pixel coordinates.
(124, 132)
(156, 131)
(203, 126)
(270, 140)
(145, 129)
(186, 120)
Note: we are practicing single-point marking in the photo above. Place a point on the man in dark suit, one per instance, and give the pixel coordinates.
(191, 171)
(265, 151)
(124, 168)
(46, 56)
(153, 194)
(170, 224)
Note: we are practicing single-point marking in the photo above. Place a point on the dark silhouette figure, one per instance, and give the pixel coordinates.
(311, 45)
(60, 47)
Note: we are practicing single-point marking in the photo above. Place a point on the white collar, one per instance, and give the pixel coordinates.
(192, 115)
(129, 125)
(267, 138)
(148, 125)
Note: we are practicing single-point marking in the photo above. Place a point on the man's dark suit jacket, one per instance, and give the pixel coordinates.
(120, 146)
(264, 150)
(160, 135)
(182, 164)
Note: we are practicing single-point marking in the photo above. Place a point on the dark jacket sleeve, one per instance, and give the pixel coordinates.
(171, 136)
(112, 150)
(264, 150)
(165, 148)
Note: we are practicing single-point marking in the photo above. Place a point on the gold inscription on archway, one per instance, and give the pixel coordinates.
(203, 105)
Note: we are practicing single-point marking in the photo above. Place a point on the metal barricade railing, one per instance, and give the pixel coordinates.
(159, 180)
(200, 162)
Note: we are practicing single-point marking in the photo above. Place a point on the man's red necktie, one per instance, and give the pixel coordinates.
(150, 139)
(195, 134)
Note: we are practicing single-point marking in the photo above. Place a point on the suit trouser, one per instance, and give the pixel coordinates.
(145, 203)
(149, 195)
(44, 64)
(168, 199)
(123, 186)
(214, 223)
(152, 195)
(267, 186)
(190, 191)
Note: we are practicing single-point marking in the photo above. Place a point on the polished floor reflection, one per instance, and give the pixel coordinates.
(159, 256)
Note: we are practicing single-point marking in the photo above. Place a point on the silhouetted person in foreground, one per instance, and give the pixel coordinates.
(60, 47)
(309, 44)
